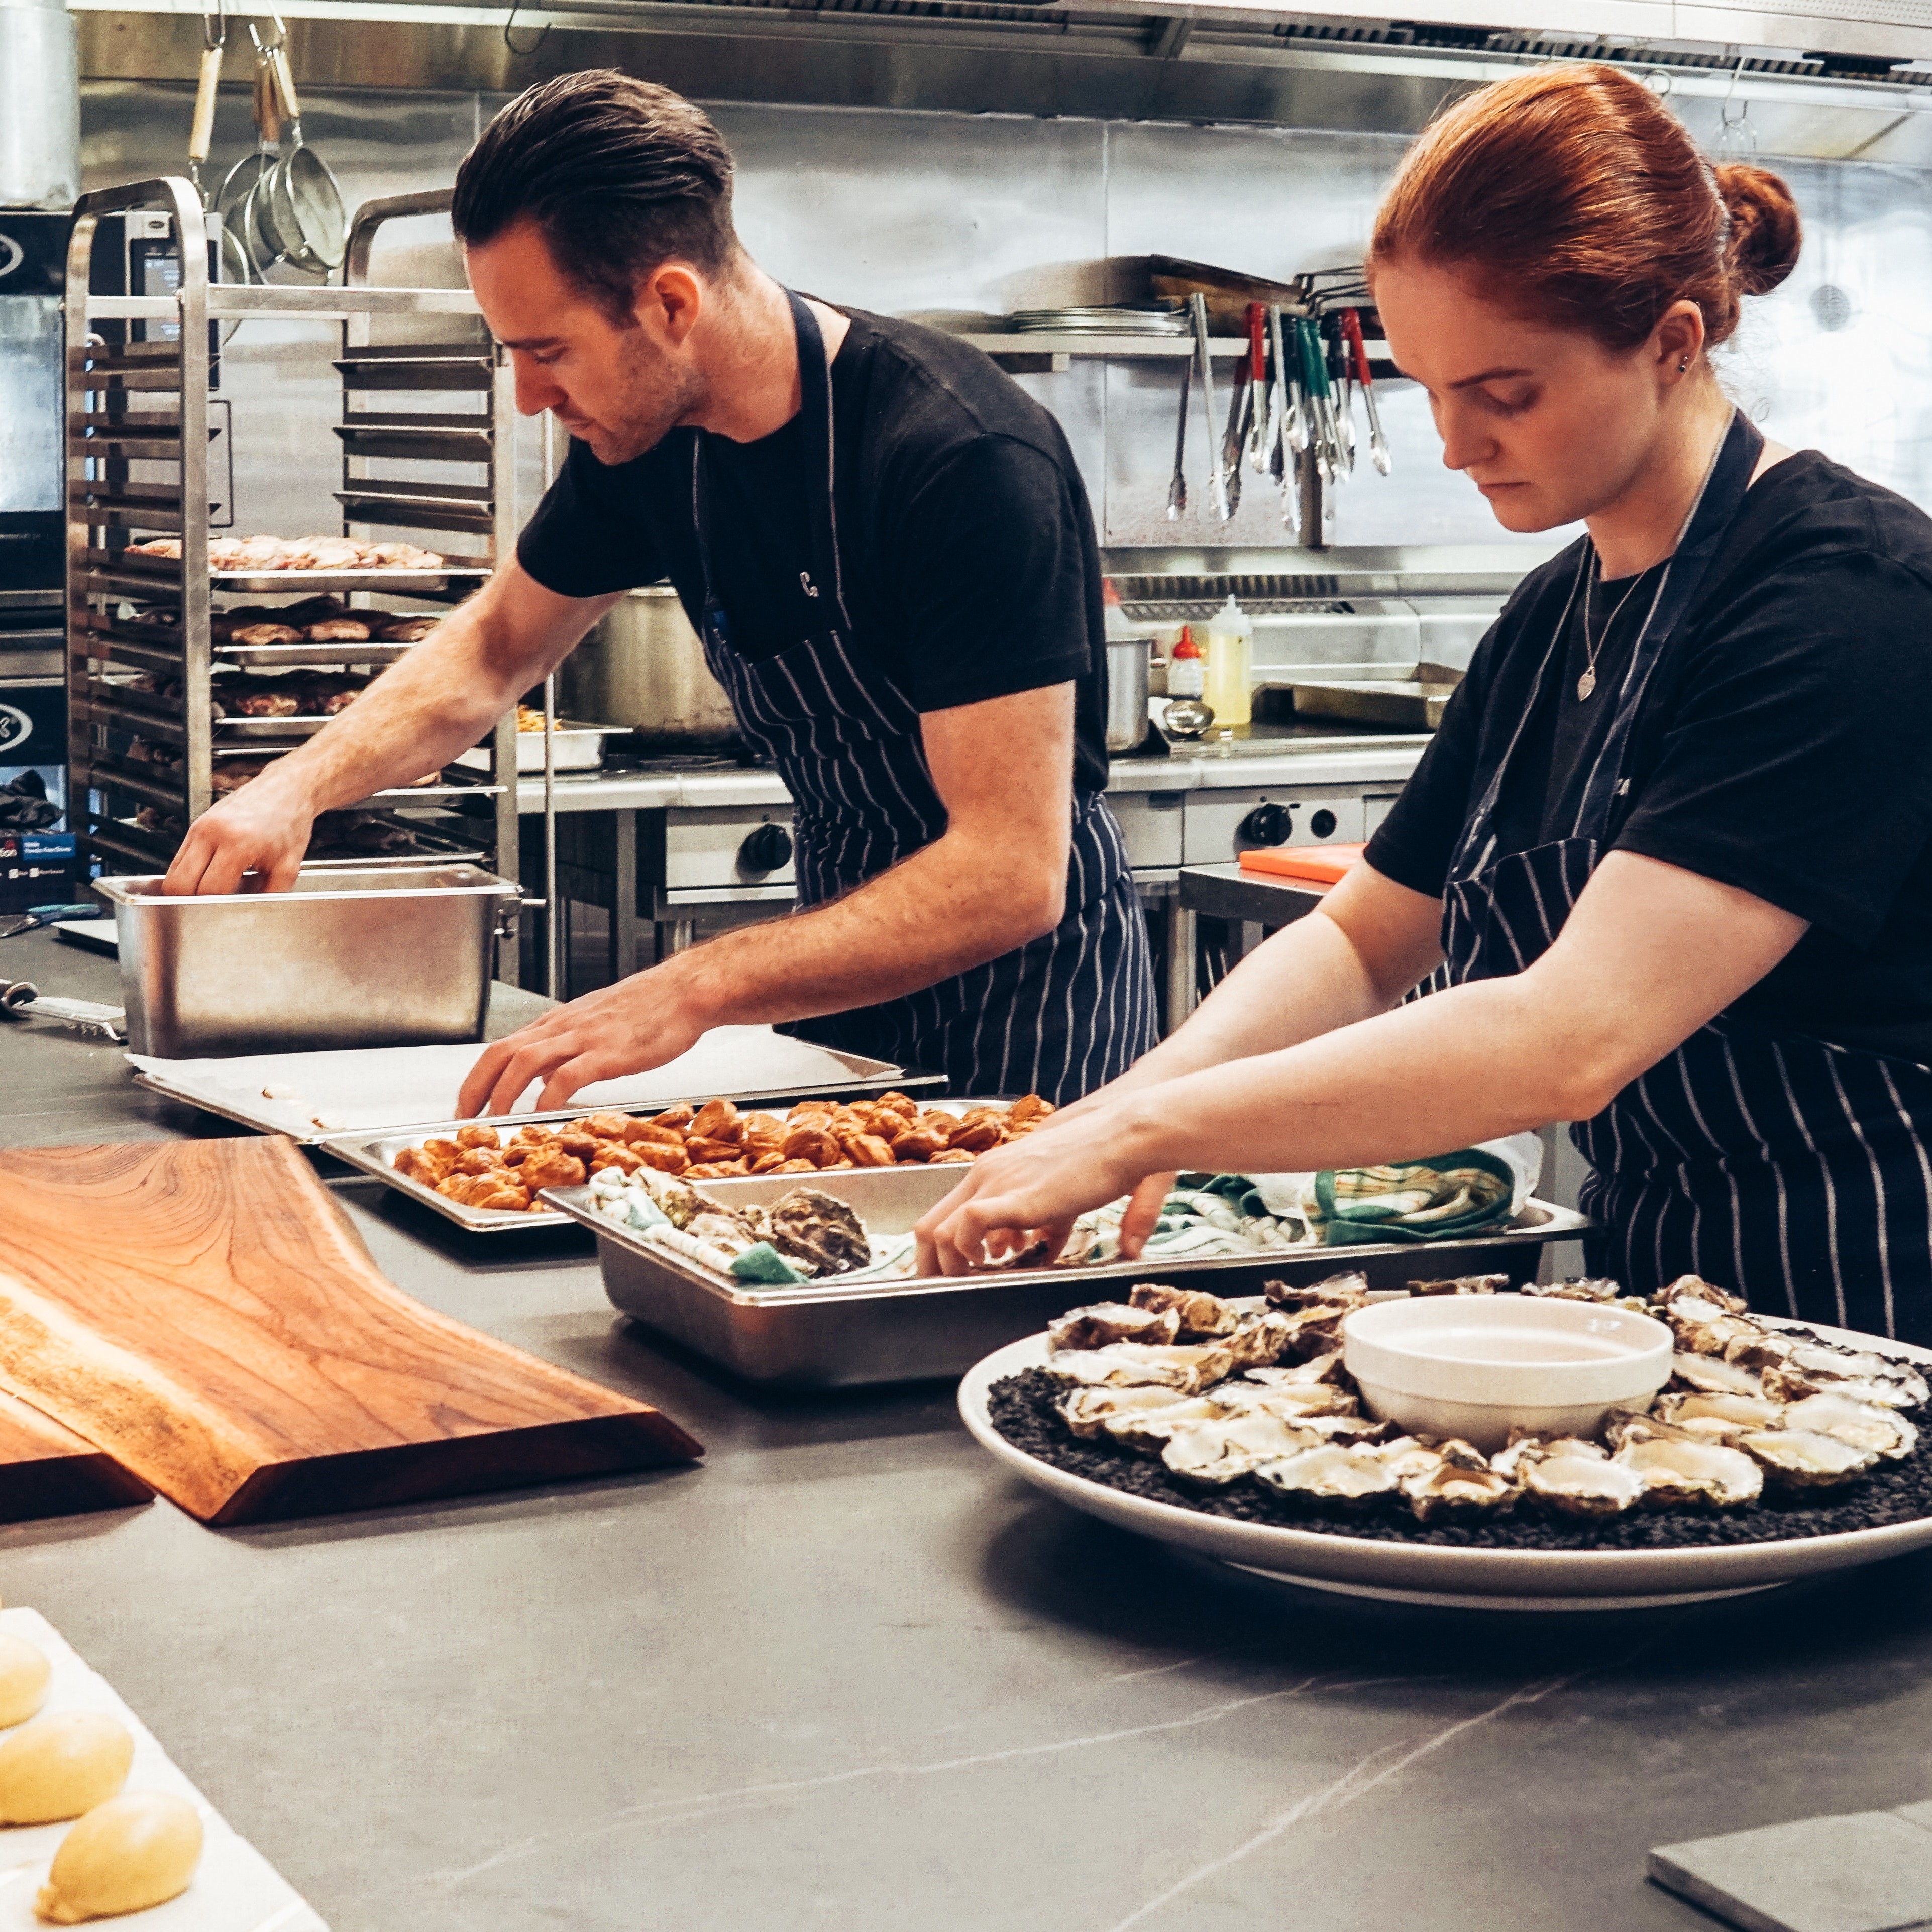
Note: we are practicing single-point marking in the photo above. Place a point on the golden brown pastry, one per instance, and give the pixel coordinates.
(660, 1156)
(918, 1144)
(953, 1156)
(622, 1158)
(679, 1116)
(1028, 1107)
(717, 1170)
(971, 1136)
(24, 1673)
(551, 1167)
(134, 1851)
(812, 1145)
(478, 1134)
(59, 1767)
(479, 1160)
(265, 634)
(718, 1120)
(703, 1150)
(638, 1132)
(339, 630)
(607, 1126)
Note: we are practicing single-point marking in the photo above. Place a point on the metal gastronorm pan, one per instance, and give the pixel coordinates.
(822, 1336)
(374, 1153)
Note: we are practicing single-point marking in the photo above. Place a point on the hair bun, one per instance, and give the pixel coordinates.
(1766, 231)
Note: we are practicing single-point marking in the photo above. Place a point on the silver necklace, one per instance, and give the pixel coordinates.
(1587, 683)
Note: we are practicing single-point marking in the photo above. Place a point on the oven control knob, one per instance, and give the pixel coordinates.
(1268, 825)
(1323, 824)
(766, 849)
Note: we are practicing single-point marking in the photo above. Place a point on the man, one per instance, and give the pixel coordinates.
(887, 550)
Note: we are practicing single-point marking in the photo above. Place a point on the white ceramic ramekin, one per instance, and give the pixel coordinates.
(1477, 1366)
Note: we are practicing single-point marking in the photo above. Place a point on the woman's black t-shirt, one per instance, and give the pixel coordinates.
(1785, 746)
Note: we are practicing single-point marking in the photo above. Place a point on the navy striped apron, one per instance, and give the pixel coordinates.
(1059, 1016)
(1791, 1170)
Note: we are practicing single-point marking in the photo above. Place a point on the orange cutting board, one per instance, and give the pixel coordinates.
(202, 1312)
(1321, 865)
(46, 1470)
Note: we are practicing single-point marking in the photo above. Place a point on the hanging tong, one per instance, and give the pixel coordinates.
(1197, 309)
(1280, 434)
(1341, 391)
(1260, 416)
(1239, 399)
(1322, 436)
(1176, 487)
(1378, 443)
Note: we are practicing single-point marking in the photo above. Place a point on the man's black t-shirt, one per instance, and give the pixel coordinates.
(1785, 747)
(970, 563)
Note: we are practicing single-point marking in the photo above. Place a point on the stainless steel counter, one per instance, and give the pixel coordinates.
(845, 1676)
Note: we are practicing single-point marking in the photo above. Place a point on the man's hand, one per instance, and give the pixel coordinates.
(264, 829)
(638, 1024)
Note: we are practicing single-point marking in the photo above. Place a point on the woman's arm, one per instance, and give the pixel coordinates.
(1649, 953)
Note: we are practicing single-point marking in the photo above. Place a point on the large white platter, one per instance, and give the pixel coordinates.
(1418, 1572)
(234, 1888)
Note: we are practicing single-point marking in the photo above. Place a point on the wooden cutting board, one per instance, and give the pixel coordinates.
(45, 1470)
(202, 1311)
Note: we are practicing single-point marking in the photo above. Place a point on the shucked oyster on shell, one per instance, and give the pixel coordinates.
(1720, 1417)
(1865, 1425)
(1822, 1368)
(1576, 1478)
(1106, 1321)
(1458, 1481)
(1711, 1375)
(1295, 1375)
(1695, 1284)
(1260, 1340)
(1125, 1364)
(1345, 1473)
(808, 1225)
(1091, 1412)
(1220, 1451)
(1350, 1290)
(1803, 1459)
(1462, 1284)
(1677, 1470)
(1201, 1316)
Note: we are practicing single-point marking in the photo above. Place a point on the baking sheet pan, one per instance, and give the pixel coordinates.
(1406, 702)
(373, 1089)
(822, 1336)
(234, 1888)
(579, 748)
(375, 1154)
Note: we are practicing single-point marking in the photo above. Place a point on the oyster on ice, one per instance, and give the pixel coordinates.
(1865, 1425)
(1201, 1316)
(1105, 1321)
(1334, 1472)
(1124, 1364)
(1678, 1470)
(1220, 1452)
(1804, 1458)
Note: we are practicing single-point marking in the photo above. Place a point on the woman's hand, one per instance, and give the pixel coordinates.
(1032, 1189)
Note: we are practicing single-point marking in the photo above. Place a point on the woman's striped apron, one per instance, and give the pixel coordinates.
(1791, 1170)
(1059, 1016)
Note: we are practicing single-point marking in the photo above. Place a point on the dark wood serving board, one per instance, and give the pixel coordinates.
(202, 1311)
(46, 1470)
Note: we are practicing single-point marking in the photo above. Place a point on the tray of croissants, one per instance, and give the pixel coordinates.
(488, 1175)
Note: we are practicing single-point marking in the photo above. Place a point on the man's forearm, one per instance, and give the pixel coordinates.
(948, 908)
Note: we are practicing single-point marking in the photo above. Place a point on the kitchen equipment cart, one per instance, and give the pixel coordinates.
(139, 433)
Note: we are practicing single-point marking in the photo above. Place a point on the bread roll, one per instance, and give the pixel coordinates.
(60, 1766)
(125, 1855)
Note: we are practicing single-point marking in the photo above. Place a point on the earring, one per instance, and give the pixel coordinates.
(1683, 365)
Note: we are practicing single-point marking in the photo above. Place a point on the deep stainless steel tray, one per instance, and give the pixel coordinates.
(374, 1153)
(346, 957)
(822, 1336)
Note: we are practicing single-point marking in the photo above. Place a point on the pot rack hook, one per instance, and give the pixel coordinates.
(1737, 140)
(215, 28)
(511, 22)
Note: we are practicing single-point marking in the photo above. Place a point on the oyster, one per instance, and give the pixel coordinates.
(1092, 1412)
(1462, 1284)
(1719, 1417)
(1702, 1328)
(1222, 1451)
(1865, 1425)
(1526, 1444)
(809, 1226)
(1821, 1368)
(1351, 1289)
(1293, 1399)
(1676, 1469)
(1333, 1472)
(1147, 1432)
(1461, 1483)
(1711, 1375)
(1577, 1478)
(1691, 1285)
(1582, 1288)
(1317, 1369)
(1129, 1364)
(1104, 1321)
(1804, 1458)
(1201, 1315)
(1261, 1339)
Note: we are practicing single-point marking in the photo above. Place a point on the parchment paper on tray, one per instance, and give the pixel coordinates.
(309, 1095)
(235, 1889)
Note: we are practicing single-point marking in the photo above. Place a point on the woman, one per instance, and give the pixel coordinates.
(1672, 838)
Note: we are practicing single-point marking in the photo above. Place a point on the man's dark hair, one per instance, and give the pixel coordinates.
(619, 175)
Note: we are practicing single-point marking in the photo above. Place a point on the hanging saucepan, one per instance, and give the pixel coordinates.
(266, 249)
(304, 211)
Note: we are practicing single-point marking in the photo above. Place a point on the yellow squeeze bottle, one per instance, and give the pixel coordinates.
(1231, 653)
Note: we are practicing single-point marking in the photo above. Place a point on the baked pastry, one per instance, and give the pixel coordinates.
(405, 630)
(265, 634)
(134, 1852)
(552, 1167)
(338, 630)
(59, 1767)
(24, 1673)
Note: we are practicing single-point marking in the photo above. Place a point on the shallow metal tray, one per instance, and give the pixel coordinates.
(579, 748)
(374, 1154)
(822, 1336)
(1413, 704)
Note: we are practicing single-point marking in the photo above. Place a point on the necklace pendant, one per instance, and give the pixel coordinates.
(1587, 682)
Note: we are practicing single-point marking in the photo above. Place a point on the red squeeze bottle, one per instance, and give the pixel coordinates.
(1186, 669)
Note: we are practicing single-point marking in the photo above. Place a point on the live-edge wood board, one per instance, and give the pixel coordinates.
(202, 1312)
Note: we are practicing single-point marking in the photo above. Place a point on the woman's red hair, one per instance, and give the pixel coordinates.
(1573, 194)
